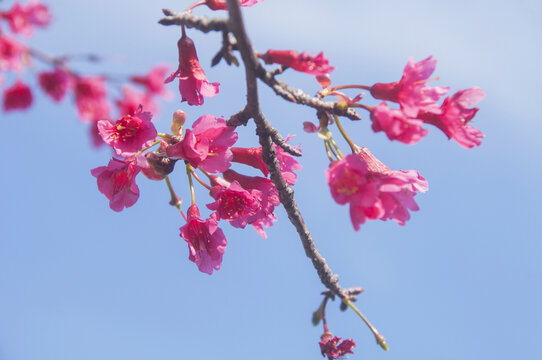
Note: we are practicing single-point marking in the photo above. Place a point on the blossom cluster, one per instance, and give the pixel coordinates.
(89, 92)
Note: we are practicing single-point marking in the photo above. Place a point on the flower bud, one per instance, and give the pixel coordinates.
(161, 164)
(179, 117)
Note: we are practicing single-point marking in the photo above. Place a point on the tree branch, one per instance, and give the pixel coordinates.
(264, 131)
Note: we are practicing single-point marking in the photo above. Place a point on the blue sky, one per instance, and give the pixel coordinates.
(460, 281)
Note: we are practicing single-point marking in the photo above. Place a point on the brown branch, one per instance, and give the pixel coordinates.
(282, 89)
(264, 131)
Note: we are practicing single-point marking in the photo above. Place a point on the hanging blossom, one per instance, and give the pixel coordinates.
(454, 116)
(268, 198)
(332, 347)
(396, 124)
(55, 83)
(313, 65)
(17, 97)
(207, 145)
(23, 18)
(221, 4)
(117, 182)
(372, 189)
(193, 84)
(206, 241)
(412, 92)
(129, 134)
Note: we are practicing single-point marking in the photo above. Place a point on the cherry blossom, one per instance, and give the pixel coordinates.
(11, 53)
(117, 182)
(17, 97)
(332, 347)
(411, 92)
(23, 18)
(91, 98)
(129, 134)
(207, 145)
(206, 241)
(313, 65)
(153, 82)
(55, 83)
(454, 116)
(221, 4)
(193, 84)
(132, 99)
(396, 124)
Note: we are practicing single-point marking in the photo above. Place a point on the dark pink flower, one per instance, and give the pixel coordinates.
(132, 100)
(332, 347)
(233, 203)
(11, 54)
(17, 97)
(129, 134)
(253, 157)
(206, 241)
(55, 83)
(411, 92)
(153, 82)
(268, 197)
(396, 124)
(221, 4)
(23, 18)
(372, 189)
(91, 98)
(117, 182)
(454, 116)
(95, 138)
(207, 145)
(313, 65)
(193, 84)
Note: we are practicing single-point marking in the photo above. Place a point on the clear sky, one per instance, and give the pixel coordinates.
(462, 280)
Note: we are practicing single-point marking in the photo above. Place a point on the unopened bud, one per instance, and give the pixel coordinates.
(317, 316)
(161, 164)
(179, 117)
(343, 306)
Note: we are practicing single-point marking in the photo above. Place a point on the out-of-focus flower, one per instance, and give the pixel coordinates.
(23, 18)
(55, 83)
(332, 347)
(91, 98)
(221, 4)
(396, 124)
(11, 53)
(17, 97)
(153, 82)
(132, 99)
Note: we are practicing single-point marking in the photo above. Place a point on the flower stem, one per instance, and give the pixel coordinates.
(329, 150)
(189, 170)
(175, 200)
(189, 9)
(340, 156)
(345, 135)
(199, 179)
(343, 87)
(146, 148)
(380, 340)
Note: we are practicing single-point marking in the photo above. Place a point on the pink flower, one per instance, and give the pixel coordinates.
(95, 138)
(17, 97)
(313, 65)
(193, 84)
(411, 92)
(153, 82)
(372, 189)
(11, 54)
(253, 157)
(206, 241)
(268, 197)
(133, 99)
(55, 83)
(454, 116)
(333, 348)
(234, 203)
(396, 124)
(91, 98)
(207, 145)
(221, 4)
(23, 18)
(117, 182)
(129, 134)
